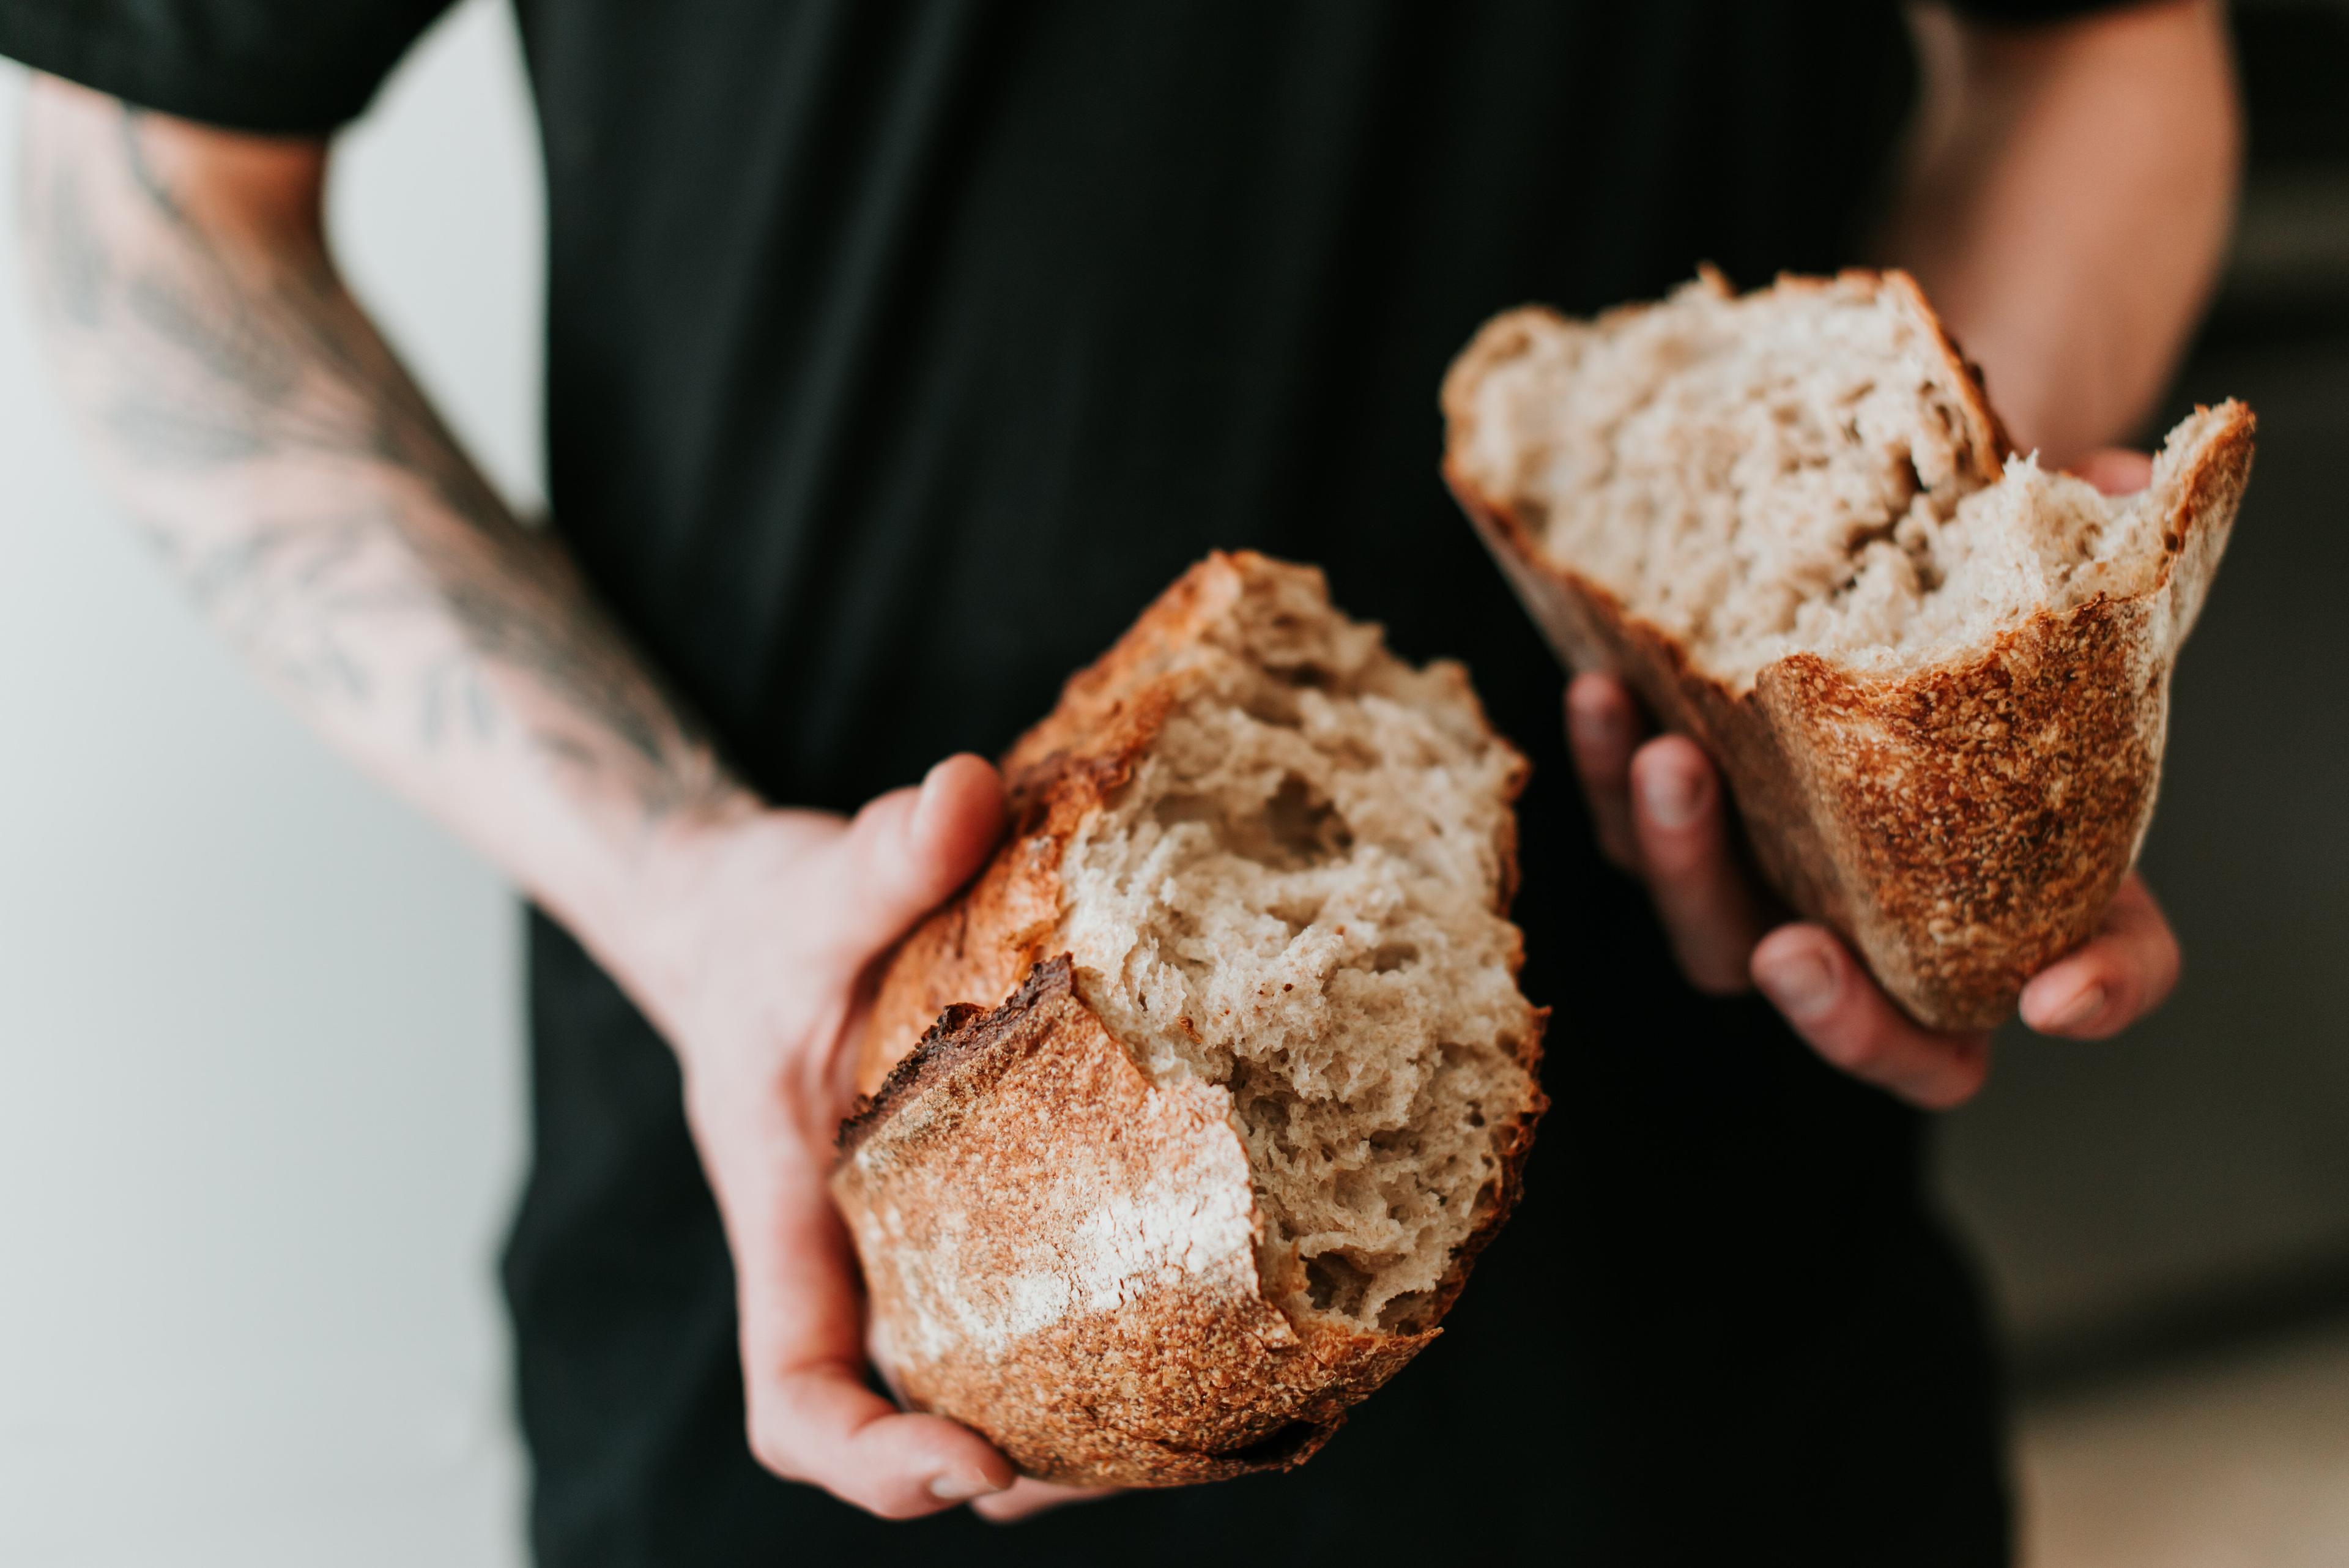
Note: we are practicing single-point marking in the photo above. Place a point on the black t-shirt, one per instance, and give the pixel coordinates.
(898, 353)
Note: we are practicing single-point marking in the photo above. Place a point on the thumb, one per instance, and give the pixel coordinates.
(910, 848)
(2115, 470)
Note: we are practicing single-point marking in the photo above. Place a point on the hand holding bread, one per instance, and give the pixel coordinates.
(1190, 1115)
(1661, 816)
(1934, 675)
(1182, 1122)
(1720, 920)
(756, 942)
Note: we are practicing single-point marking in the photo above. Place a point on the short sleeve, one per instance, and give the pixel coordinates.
(279, 67)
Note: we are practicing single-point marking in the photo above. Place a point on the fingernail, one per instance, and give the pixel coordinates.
(1672, 795)
(926, 805)
(1801, 985)
(2085, 1005)
(961, 1486)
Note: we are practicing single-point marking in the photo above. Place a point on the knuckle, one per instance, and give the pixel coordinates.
(1603, 769)
(773, 1453)
(883, 1501)
(1956, 1078)
(1860, 1050)
(1686, 873)
(1945, 1094)
(2169, 961)
(1960, 1084)
(1851, 1038)
(1715, 964)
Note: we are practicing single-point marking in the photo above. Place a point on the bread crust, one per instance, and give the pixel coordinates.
(1962, 825)
(1062, 1255)
(996, 1148)
(1071, 764)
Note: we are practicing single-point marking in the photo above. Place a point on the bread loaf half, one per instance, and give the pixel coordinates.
(1935, 675)
(1229, 1077)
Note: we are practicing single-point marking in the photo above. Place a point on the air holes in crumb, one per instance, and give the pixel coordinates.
(1335, 1285)
(1308, 676)
(1296, 913)
(1273, 705)
(1299, 827)
(1172, 810)
(1320, 917)
(1402, 1314)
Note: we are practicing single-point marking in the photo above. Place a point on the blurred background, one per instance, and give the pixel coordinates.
(261, 1061)
(2164, 1220)
(224, 960)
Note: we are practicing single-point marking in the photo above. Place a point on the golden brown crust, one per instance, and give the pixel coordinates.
(1071, 764)
(976, 949)
(988, 1149)
(1062, 1256)
(1962, 824)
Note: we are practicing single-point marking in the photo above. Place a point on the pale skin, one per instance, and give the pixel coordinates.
(269, 444)
(2067, 207)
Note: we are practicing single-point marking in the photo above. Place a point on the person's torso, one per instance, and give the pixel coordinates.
(899, 353)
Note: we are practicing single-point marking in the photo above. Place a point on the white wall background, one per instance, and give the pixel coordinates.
(261, 1073)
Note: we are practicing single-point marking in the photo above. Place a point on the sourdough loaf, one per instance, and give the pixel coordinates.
(1935, 675)
(1187, 1117)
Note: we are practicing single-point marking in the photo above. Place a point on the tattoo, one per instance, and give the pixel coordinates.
(236, 375)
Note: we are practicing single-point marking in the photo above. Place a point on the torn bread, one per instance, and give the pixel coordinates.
(1935, 675)
(1229, 1077)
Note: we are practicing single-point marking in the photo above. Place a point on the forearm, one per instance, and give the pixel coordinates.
(267, 440)
(292, 474)
(2067, 206)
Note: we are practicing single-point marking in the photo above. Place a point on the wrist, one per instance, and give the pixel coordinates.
(704, 884)
(645, 919)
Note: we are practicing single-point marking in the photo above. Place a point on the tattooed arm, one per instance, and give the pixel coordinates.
(275, 454)
(267, 441)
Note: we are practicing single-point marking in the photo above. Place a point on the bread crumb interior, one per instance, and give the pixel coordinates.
(1294, 898)
(1784, 472)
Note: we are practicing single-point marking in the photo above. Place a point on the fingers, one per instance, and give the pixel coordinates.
(910, 848)
(2124, 973)
(1660, 815)
(821, 1425)
(1680, 825)
(1603, 728)
(2115, 470)
(1027, 1497)
(1834, 1005)
(810, 1417)
(958, 817)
